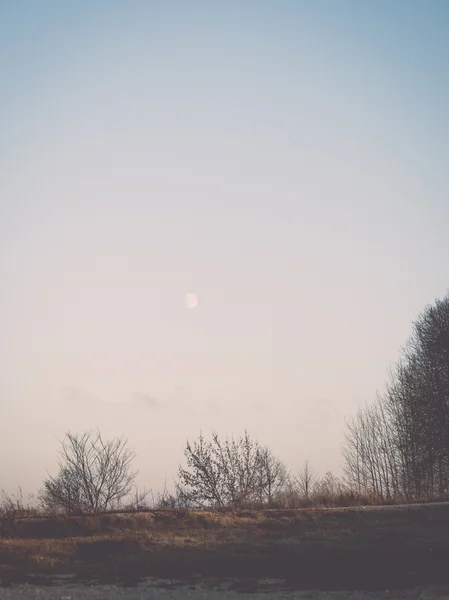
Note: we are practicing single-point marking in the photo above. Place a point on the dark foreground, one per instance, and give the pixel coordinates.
(154, 591)
(346, 549)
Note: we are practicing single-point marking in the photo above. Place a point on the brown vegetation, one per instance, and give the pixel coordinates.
(363, 547)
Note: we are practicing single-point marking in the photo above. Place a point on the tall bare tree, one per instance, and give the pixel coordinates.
(305, 481)
(274, 478)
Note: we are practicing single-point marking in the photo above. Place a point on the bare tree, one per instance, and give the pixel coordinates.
(370, 463)
(233, 472)
(329, 486)
(202, 478)
(274, 478)
(94, 474)
(305, 481)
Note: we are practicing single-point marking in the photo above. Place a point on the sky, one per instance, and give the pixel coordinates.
(286, 162)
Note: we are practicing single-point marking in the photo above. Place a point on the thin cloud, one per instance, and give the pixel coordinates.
(78, 397)
(141, 400)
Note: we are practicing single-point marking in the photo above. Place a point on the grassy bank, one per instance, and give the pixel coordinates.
(336, 548)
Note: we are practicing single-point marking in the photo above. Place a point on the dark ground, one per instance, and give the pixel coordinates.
(369, 548)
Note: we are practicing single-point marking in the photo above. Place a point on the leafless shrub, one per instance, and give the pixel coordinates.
(273, 480)
(94, 475)
(230, 473)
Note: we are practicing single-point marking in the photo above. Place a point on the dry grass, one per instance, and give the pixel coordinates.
(372, 546)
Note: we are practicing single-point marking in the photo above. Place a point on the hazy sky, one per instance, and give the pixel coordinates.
(285, 161)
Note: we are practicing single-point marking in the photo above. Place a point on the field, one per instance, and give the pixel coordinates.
(362, 548)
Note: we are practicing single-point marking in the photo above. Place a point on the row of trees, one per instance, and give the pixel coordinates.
(96, 475)
(399, 446)
(396, 448)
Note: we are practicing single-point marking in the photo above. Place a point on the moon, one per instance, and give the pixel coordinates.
(191, 300)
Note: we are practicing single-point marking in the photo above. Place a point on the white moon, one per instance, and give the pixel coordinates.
(191, 300)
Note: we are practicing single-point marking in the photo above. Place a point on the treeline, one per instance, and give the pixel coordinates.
(395, 450)
(96, 475)
(399, 446)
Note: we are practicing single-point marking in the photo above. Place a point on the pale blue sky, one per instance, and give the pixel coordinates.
(288, 162)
